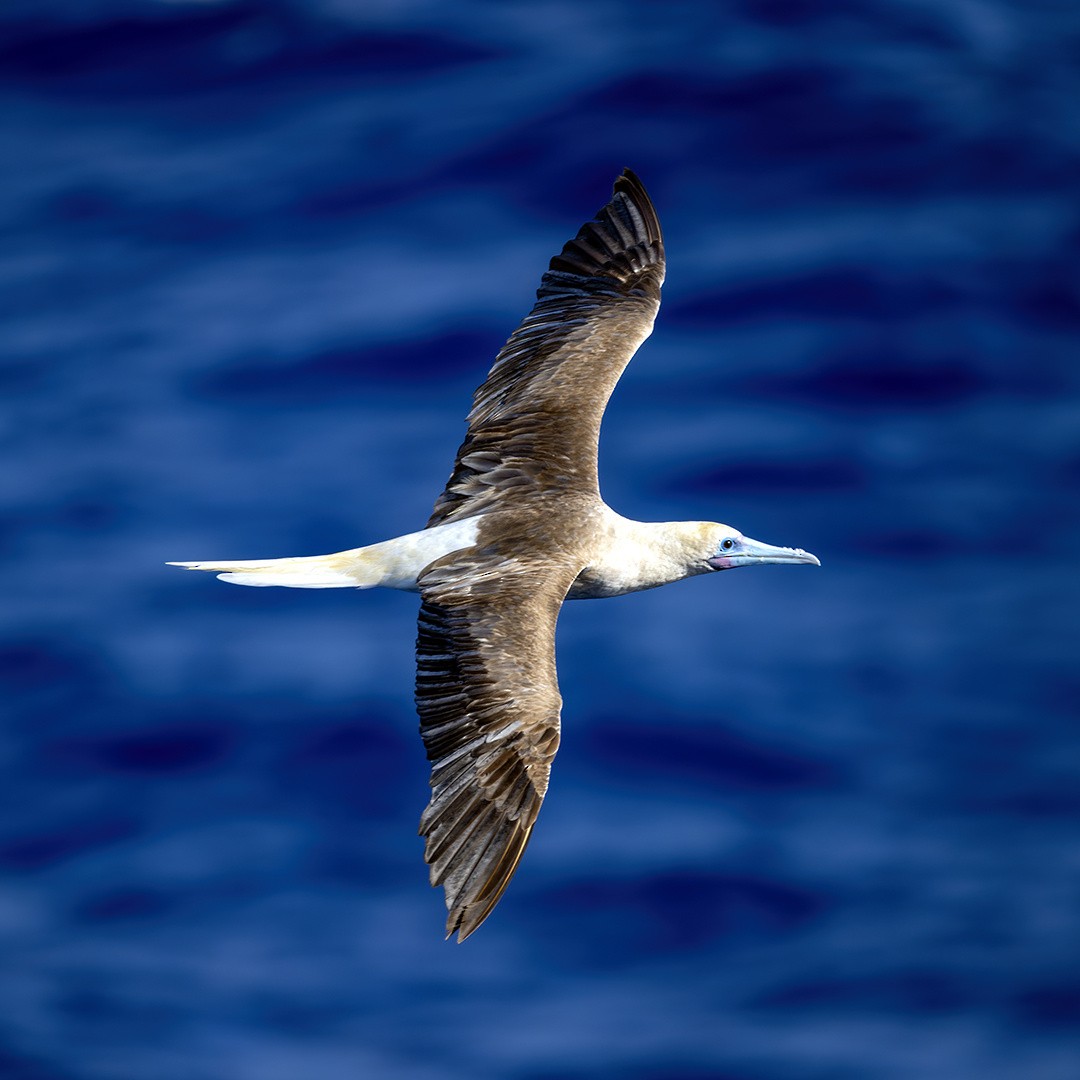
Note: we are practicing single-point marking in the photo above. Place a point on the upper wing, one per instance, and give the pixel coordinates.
(535, 421)
(489, 703)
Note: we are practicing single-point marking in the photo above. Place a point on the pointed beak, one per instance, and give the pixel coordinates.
(754, 553)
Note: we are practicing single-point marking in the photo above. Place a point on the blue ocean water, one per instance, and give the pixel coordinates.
(804, 824)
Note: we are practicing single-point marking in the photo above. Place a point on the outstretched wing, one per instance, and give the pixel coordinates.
(535, 422)
(489, 703)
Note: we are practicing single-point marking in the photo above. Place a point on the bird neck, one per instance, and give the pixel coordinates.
(631, 556)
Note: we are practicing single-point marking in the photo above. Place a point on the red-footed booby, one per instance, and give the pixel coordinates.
(519, 528)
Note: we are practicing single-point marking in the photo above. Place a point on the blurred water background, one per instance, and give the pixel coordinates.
(804, 824)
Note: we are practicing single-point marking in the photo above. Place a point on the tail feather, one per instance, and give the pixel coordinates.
(393, 564)
(314, 572)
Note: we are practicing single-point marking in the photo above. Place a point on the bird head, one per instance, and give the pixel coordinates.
(727, 548)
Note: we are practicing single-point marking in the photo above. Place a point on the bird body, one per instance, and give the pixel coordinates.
(617, 555)
(519, 528)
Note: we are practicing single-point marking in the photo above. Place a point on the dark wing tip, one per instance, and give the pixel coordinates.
(623, 244)
(468, 912)
(629, 185)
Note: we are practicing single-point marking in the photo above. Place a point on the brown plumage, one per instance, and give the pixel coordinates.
(535, 420)
(486, 686)
(489, 704)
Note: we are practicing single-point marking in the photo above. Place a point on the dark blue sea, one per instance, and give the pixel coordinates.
(805, 824)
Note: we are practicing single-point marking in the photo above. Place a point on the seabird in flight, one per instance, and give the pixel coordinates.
(519, 528)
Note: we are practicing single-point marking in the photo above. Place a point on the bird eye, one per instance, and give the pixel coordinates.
(727, 544)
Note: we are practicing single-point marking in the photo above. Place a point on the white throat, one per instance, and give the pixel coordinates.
(634, 555)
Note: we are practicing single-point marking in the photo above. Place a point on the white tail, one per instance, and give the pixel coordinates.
(394, 564)
(314, 572)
